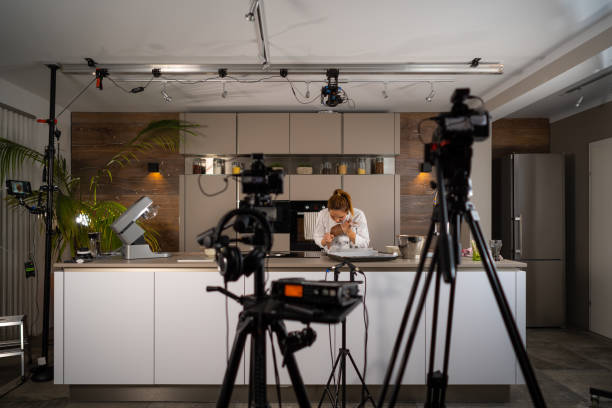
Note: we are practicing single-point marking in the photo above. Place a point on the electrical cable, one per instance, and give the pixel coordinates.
(226, 327)
(419, 134)
(295, 94)
(75, 98)
(213, 194)
(135, 90)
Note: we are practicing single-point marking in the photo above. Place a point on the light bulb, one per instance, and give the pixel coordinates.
(307, 90)
(224, 93)
(384, 92)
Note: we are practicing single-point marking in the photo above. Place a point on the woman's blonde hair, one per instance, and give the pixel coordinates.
(340, 200)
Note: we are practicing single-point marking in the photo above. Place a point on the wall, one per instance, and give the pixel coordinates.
(572, 136)
(97, 137)
(20, 233)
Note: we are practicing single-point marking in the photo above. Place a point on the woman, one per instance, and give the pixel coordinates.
(351, 221)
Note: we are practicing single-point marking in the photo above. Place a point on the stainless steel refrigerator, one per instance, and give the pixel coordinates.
(532, 201)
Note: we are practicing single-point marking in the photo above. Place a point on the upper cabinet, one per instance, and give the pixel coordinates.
(263, 133)
(371, 133)
(216, 133)
(315, 133)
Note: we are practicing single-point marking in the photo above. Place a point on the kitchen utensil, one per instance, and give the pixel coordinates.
(410, 245)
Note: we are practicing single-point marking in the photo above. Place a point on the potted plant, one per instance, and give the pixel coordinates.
(95, 215)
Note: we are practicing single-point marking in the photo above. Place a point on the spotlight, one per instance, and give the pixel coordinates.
(165, 95)
(432, 93)
(250, 15)
(224, 93)
(308, 90)
(384, 91)
(579, 101)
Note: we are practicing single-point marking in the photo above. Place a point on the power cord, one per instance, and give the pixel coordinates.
(76, 97)
(213, 194)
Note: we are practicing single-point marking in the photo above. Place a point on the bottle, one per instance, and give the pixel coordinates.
(196, 166)
(342, 167)
(94, 243)
(379, 165)
(361, 167)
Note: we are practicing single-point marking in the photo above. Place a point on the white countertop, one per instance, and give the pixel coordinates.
(199, 261)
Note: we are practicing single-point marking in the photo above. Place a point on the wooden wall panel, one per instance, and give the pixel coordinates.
(416, 196)
(96, 137)
(530, 135)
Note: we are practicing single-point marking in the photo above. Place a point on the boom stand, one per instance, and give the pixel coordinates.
(255, 321)
(343, 353)
(448, 215)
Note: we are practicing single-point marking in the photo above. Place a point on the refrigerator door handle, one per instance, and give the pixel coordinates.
(519, 248)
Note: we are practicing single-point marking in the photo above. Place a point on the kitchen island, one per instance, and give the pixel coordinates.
(151, 324)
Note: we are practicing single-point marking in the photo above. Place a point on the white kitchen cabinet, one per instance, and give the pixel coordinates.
(215, 133)
(315, 133)
(376, 196)
(199, 212)
(108, 327)
(313, 187)
(190, 327)
(371, 133)
(386, 300)
(481, 352)
(263, 133)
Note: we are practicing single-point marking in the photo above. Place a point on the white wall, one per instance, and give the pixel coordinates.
(21, 294)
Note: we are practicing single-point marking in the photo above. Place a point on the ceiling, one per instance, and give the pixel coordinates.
(520, 34)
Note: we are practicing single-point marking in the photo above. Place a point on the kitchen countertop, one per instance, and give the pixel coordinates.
(195, 260)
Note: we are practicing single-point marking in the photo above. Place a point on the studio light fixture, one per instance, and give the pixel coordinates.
(250, 15)
(167, 98)
(385, 94)
(224, 93)
(579, 102)
(432, 93)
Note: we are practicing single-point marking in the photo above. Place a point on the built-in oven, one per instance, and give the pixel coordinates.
(303, 216)
(283, 217)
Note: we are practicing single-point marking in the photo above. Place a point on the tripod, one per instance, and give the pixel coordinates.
(343, 353)
(452, 209)
(259, 316)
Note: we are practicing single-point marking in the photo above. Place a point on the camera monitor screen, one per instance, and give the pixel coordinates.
(18, 188)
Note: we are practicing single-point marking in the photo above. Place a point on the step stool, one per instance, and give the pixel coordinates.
(13, 348)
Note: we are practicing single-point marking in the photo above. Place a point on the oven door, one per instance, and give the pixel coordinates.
(303, 215)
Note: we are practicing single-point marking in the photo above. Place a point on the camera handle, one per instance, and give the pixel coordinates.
(239, 299)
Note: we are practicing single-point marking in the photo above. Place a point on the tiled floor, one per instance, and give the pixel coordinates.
(567, 363)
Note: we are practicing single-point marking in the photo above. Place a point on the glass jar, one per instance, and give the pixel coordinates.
(326, 167)
(236, 167)
(218, 166)
(379, 165)
(361, 166)
(342, 167)
(196, 166)
(94, 243)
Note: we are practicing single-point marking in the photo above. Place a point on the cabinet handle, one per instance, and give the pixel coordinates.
(519, 250)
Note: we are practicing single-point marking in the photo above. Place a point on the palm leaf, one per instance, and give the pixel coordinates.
(14, 155)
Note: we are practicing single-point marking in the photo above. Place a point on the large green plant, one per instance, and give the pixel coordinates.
(68, 201)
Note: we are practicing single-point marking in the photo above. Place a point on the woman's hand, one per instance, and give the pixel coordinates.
(346, 228)
(327, 240)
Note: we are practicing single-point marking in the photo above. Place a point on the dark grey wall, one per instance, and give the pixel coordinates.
(572, 136)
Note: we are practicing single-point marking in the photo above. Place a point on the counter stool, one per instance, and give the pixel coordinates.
(11, 348)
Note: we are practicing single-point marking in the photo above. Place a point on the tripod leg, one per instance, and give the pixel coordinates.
(258, 361)
(368, 395)
(449, 328)
(431, 390)
(333, 400)
(513, 333)
(242, 330)
(407, 310)
(413, 330)
(343, 363)
(292, 367)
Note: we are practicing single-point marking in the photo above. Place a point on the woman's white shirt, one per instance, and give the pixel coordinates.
(325, 223)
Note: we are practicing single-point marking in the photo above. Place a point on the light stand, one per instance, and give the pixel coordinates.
(44, 372)
(343, 353)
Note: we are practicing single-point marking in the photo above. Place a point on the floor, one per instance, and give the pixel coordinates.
(567, 363)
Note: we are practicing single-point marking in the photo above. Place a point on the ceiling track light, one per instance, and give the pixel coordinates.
(167, 98)
(432, 93)
(307, 90)
(224, 93)
(579, 102)
(250, 15)
(384, 92)
(461, 68)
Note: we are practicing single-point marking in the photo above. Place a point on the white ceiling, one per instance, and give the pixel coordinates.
(516, 33)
